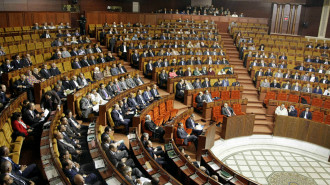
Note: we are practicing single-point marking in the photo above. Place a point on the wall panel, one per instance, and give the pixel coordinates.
(15, 19)
(3, 19)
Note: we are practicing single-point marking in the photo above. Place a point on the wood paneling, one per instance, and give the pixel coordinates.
(13, 19)
(302, 129)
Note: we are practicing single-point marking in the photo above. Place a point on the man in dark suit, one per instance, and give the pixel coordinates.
(44, 72)
(275, 84)
(112, 43)
(206, 83)
(102, 36)
(7, 66)
(306, 114)
(114, 71)
(68, 145)
(199, 99)
(182, 134)
(197, 84)
(31, 116)
(163, 77)
(76, 64)
(22, 85)
(123, 48)
(27, 61)
(74, 83)
(300, 67)
(138, 80)
(116, 156)
(54, 71)
(147, 96)
(191, 124)
(27, 171)
(118, 117)
(140, 100)
(157, 132)
(155, 92)
(227, 111)
(17, 63)
(3, 97)
(50, 100)
(179, 93)
(159, 158)
(71, 172)
(84, 62)
(103, 92)
(7, 169)
(180, 72)
(101, 59)
(121, 69)
(135, 57)
(74, 124)
(74, 52)
(92, 60)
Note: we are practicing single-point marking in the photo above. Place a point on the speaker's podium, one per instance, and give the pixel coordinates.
(237, 126)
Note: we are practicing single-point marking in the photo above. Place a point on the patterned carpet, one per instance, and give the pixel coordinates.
(277, 167)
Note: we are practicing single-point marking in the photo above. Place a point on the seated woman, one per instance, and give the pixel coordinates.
(97, 74)
(30, 78)
(106, 71)
(172, 74)
(19, 127)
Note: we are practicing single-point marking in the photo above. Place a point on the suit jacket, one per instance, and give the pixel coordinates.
(24, 83)
(130, 83)
(45, 73)
(278, 85)
(151, 126)
(294, 87)
(5, 68)
(224, 111)
(154, 92)
(147, 95)
(103, 93)
(181, 133)
(122, 69)
(101, 60)
(114, 71)
(309, 115)
(55, 99)
(54, 71)
(197, 85)
(179, 88)
(132, 102)
(73, 85)
(140, 100)
(31, 118)
(74, 53)
(307, 90)
(136, 80)
(190, 123)
(84, 63)
(84, 106)
(76, 65)
(18, 64)
(206, 84)
(180, 73)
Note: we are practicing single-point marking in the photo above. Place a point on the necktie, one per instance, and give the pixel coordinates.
(78, 65)
(228, 112)
(17, 178)
(105, 93)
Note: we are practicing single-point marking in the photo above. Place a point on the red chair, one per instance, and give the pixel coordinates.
(327, 120)
(293, 98)
(282, 96)
(169, 108)
(235, 95)
(318, 116)
(216, 114)
(269, 96)
(178, 141)
(327, 104)
(238, 109)
(216, 94)
(317, 102)
(157, 118)
(163, 112)
(195, 104)
(144, 129)
(225, 95)
(307, 98)
(188, 130)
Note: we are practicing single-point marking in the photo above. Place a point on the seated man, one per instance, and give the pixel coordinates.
(82, 129)
(306, 114)
(275, 84)
(71, 172)
(138, 80)
(22, 85)
(200, 100)
(86, 106)
(207, 97)
(157, 132)
(159, 158)
(140, 100)
(163, 77)
(227, 111)
(155, 92)
(106, 140)
(115, 156)
(131, 101)
(182, 134)
(147, 96)
(6, 168)
(136, 173)
(118, 118)
(32, 117)
(179, 94)
(197, 129)
(281, 110)
(27, 171)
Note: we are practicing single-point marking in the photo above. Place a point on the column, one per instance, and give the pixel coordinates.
(324, 19)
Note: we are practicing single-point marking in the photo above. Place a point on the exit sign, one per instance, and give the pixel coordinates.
(286, 18)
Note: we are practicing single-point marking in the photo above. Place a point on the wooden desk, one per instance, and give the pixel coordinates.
(237, 126)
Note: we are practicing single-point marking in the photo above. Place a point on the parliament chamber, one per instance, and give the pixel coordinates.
(191, 92)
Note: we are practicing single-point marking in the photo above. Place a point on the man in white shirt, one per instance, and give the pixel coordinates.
(281, 110)
(327, 92)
